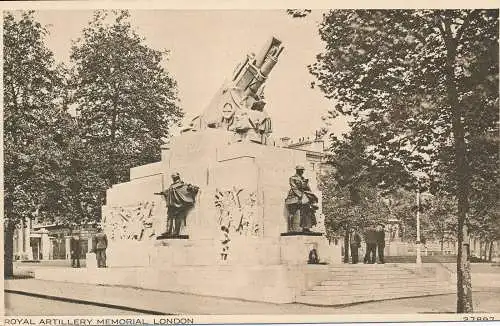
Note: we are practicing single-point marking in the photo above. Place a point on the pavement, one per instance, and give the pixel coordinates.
(77, 298)
(27, 305)
(140, 301)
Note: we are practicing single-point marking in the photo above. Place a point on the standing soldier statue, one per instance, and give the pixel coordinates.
(301, 203)
(179, 197)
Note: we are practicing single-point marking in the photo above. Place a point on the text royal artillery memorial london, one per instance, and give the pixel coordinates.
(243, 215)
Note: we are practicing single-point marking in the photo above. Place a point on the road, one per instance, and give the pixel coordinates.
(24, 305)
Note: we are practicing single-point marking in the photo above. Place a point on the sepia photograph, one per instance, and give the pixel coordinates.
(160, 164)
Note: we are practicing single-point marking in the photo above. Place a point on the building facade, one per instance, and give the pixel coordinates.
(36, 241)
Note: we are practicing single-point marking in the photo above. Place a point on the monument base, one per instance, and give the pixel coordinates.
(276, 284)
(289, 249)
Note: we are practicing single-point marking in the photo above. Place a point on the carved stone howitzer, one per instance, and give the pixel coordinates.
(239, 105)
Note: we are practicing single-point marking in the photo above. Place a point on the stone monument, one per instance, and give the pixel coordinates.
(229, 234)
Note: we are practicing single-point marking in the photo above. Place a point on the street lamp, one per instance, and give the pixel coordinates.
(419, 255)
(418, 175)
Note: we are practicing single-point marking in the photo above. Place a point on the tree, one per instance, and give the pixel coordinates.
(421, 88)
(126, 104)
(33, 128)
(440, 219)
(350, 200)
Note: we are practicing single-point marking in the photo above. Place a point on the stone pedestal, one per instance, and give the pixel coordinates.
(45, 243)
(396, 248)
(67, 245)
(90, 260)
(236, 239)
(28, 252)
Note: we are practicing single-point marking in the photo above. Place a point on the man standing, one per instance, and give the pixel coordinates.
(301, 203)
(100, 244)
(380, 238)
(371, 246)
(355, 244)
(180, 197)
(75, 251)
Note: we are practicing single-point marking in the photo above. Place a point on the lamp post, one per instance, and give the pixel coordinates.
(419, 255)
(417, 242)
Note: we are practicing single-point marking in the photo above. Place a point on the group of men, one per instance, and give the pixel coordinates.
(375, 242)
(99, 245)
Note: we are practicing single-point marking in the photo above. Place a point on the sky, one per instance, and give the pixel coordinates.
(206, 45)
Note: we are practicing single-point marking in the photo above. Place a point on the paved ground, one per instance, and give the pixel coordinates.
(24, 305)
(83, 299)
(178, 303)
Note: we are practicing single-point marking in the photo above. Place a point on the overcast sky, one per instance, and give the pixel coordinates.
(206, 45)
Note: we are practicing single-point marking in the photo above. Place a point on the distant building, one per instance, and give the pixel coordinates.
(36, 241)
(314, 148)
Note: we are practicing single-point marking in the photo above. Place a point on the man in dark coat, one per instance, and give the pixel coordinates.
(371, 246)
(75, 250)
(100, 243)
(301, 203)
(380, 237)
(355, 244)
(180, 197)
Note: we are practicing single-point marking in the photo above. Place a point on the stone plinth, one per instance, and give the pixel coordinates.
(295, 248)
(90, 261)
(242, 186)
(396, 248)
(272, 283)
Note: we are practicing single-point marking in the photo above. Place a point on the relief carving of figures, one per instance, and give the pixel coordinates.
(237, 216)
(301, 203)
(133, 222)
(180, 197)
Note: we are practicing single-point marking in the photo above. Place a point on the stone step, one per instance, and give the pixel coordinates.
(333, 285)
(331, 300)
(369, 273)
(373, 279)
(365, 266)
(367, 291)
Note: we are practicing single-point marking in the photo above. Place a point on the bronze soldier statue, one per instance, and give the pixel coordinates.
(301, 203)
(180, 197)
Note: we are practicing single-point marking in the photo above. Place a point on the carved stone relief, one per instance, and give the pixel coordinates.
(133, 222)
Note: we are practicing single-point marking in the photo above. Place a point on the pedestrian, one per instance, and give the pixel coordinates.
(380, 237)
(100, 243)
(313, 257)
(355, 244)
(371, 245)
(75, 250)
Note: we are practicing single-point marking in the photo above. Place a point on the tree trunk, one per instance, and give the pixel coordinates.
(8, 254)
(346, 246)
(464, 286)
(490, 254)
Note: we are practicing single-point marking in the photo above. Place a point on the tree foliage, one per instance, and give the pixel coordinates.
(33, 119)
(350, 199)
(33, 127)
(421, 89)
(58, 165)
(126, 103)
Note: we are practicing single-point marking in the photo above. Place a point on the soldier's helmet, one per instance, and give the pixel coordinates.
(299, 167)
(176, 175)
